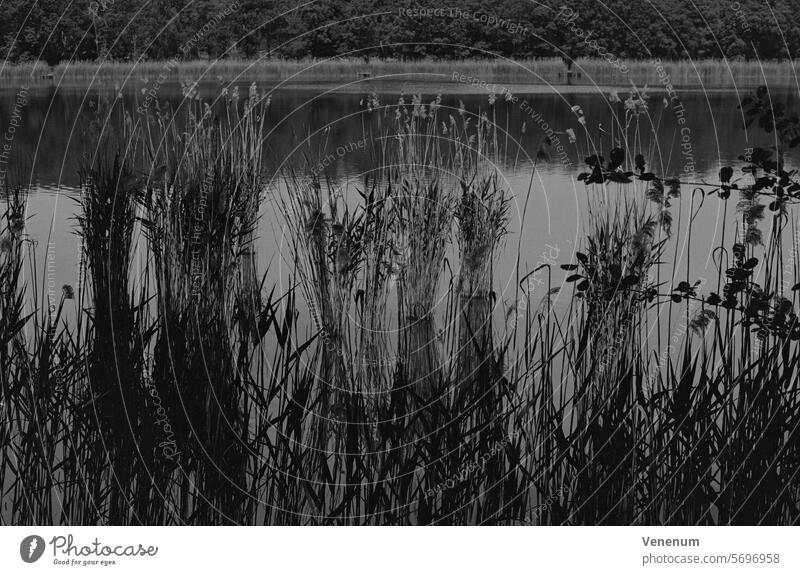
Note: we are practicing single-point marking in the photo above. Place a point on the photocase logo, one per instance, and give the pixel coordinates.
(31, 549)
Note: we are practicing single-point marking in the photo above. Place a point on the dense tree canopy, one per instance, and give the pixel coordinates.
(58, 30)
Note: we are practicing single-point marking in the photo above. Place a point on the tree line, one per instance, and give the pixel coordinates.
(125, 30)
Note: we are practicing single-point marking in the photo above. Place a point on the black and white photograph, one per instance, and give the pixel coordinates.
(357, 263)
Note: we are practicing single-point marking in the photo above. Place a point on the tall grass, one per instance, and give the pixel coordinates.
(707, 73)
(697, 436)
(199, 214)
(187, 392)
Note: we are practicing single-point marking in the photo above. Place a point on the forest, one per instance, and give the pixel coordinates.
(57, 31)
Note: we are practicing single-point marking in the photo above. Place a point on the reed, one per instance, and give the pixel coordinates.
(708, 73)
(642, 440)
(186, 391)
(199, 214)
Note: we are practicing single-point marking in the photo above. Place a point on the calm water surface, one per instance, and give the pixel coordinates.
(52, 138)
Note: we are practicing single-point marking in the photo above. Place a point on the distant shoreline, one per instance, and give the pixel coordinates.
(546, 75)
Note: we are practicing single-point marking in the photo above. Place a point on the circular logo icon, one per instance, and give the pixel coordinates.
(31, 549)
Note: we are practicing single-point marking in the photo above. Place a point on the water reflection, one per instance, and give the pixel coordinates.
(315, 125)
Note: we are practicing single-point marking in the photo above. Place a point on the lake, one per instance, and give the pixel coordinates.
(597, 416)
(691, 136)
